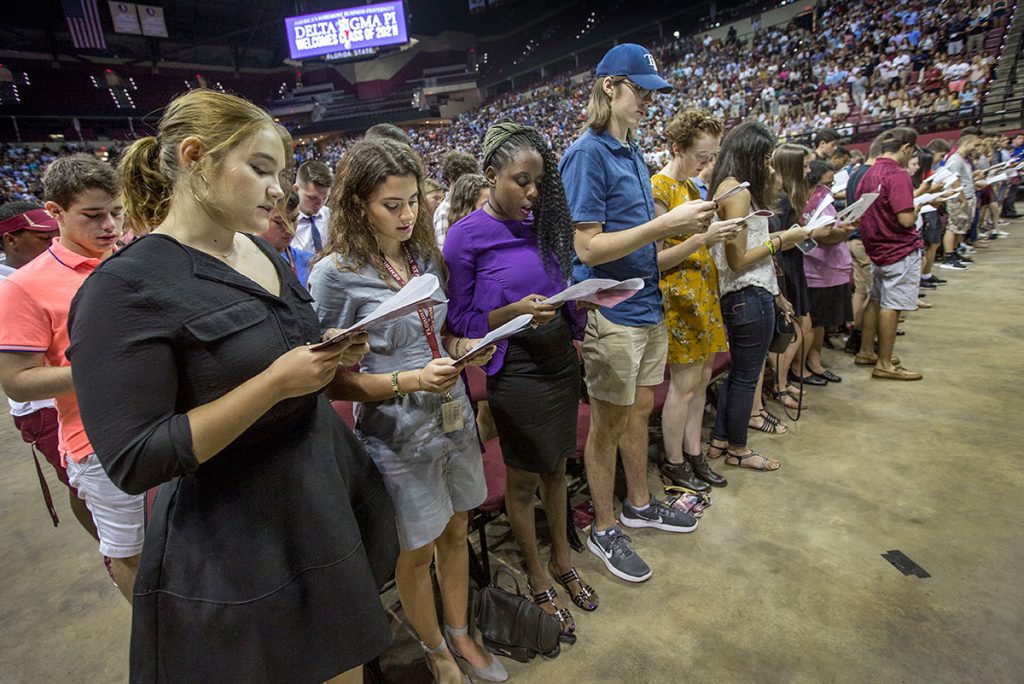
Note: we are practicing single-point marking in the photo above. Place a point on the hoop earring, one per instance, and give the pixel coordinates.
(192, 187)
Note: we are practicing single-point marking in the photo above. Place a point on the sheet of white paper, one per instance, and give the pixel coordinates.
(927, 209)
(857, 209)
(826, 202)
(726, 195)
(840, 180)
(580, 289)
(423, 290)
(944, 176)
(819, 222)
(926, 198)
(587, 289)
(998, 178)
(500, 333)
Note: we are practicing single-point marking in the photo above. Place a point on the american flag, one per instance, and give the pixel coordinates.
(83, 17)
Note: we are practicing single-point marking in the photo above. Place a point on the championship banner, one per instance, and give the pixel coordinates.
(125, 18)
(346, 30)
(152, 18)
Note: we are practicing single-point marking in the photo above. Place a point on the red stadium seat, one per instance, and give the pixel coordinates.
(476, 383)
(494, 474)
(344, 409)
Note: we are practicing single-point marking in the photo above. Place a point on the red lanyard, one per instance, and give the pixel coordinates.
(426, 313)
(291, 261)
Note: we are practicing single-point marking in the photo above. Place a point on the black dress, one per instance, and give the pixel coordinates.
(262, 564)
(793, 281)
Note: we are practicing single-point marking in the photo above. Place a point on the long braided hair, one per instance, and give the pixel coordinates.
(552, 219)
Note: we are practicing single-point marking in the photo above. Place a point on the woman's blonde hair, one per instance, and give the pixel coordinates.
(788, 161)
(150, 173)
(352, 238)
(464, 195)
(599, 107)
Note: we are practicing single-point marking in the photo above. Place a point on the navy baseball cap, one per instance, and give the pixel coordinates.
(635, 62)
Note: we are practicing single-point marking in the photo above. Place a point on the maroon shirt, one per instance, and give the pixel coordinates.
(885, 240)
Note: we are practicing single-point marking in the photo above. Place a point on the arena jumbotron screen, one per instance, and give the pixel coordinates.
(347, 30)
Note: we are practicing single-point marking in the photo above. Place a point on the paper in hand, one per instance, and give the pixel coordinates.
(944, 176)
(819, 222)
(726, 195)
(502, 332)
(421, 291)
(599, 291)
(853, 212)
(839, 181)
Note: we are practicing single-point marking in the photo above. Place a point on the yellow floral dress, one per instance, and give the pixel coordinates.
(689, 291)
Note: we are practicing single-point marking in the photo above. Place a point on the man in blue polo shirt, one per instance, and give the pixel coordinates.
(624, 348)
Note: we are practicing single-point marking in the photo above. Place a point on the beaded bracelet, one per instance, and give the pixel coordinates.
(394, 385)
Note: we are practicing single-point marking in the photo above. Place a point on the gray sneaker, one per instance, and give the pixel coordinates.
(658, 515)
(616, 550)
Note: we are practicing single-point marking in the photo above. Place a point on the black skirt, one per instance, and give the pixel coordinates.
(535, 398)
(793, 282)
(831, 307)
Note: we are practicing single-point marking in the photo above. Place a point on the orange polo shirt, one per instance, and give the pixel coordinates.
(34, 305)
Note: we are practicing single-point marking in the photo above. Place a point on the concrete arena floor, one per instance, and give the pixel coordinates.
(783, 581)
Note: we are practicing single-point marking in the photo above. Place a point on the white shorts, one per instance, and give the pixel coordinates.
(119, 517)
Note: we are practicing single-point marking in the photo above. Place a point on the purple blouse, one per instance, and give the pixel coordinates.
(491, 264)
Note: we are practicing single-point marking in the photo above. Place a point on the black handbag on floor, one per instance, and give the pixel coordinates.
(513, 626)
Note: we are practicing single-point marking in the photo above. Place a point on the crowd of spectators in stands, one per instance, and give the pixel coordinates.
(864, 64)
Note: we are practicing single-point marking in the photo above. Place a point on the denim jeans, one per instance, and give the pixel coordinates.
(749, 316)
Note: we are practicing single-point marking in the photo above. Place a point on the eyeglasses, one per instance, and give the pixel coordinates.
(705, 157)
(642, 94)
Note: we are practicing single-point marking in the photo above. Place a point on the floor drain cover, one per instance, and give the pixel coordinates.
(901, 562)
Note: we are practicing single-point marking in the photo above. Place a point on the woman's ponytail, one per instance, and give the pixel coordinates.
(145, 186)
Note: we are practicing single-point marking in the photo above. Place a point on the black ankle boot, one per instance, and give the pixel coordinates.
(681, 475)
(699, 463)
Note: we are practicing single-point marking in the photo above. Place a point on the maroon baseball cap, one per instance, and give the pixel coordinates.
(38, 220)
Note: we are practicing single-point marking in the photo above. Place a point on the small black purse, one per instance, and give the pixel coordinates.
(784, 333)
(513, 626)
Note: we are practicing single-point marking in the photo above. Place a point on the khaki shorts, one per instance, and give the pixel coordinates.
(896, 286)
(961, 214)
(620, 358)
(861, 268)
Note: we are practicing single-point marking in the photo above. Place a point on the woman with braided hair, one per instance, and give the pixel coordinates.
(504, 260)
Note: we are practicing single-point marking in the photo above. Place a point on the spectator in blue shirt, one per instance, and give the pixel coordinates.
(280, 232)
(608, 188)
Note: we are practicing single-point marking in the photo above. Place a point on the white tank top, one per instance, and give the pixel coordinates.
(761, 273)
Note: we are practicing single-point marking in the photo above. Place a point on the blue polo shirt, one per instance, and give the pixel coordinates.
(608, 182)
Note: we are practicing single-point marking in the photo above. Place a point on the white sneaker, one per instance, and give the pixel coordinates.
(1001, 233)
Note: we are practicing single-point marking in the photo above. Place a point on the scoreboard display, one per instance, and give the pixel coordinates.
(352, 30)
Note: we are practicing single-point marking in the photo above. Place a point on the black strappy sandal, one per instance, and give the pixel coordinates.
(740, 458)
(722, 451)
(568, 625)
(770, 423)
(586, 598)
